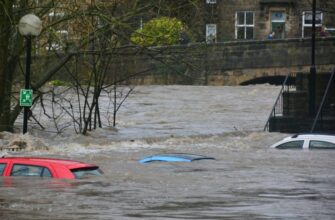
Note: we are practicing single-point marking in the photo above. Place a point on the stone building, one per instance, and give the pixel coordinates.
(227, 20)
(209, 20)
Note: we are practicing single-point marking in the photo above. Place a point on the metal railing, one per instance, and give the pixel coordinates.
(322, 102)
(277, 108)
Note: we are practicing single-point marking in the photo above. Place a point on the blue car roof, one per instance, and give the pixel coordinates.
(178, 157)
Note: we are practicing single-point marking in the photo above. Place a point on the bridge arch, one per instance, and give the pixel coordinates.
(272, 80)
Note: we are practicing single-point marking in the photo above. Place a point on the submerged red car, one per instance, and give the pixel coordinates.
(46, 167)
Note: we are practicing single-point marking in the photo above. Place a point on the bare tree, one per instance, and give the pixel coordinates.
(99, 30)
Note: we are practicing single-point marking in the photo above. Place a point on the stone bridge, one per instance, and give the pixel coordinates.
(268, 61)
(228, 63)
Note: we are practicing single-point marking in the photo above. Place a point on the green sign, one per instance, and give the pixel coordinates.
(26, 97)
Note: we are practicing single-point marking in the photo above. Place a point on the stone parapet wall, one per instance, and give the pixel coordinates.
(228, 63)
(232, 63)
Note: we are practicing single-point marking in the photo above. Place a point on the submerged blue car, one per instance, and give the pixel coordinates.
(178, 157)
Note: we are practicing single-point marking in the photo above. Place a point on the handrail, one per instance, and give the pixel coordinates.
(322, 102)
(278, 97)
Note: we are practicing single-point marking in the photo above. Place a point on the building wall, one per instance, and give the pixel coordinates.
(223, 14)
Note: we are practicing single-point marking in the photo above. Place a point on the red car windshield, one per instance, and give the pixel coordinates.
(87, 171)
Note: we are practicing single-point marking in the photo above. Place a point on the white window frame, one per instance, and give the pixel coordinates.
(56, 14)
(63, 34)
(211, 29)
(211, 1)
(310, 25)
(244, 25)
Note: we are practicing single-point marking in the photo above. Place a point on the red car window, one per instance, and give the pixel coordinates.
(2, 168)
(46, 172)
(87, 171)
(29, 170)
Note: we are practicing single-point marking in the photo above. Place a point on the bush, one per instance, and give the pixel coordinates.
(57, 82)
(159, 31)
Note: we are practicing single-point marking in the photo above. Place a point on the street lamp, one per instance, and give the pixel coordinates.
(29, 26)
(312, 76)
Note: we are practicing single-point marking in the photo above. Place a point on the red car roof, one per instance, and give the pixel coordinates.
(70, 164)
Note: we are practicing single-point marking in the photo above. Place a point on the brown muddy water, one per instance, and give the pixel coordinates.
(246, 181)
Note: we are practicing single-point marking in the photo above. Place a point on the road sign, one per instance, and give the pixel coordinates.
(26, 97)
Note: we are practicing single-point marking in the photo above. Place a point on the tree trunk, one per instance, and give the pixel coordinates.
(6, 77)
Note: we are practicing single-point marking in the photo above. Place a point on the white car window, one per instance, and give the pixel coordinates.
(321, 145)
(291, 145)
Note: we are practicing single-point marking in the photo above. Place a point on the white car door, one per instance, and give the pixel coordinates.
(306, 144)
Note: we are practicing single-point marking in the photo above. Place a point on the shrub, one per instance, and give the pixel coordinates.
(58, 82)
(159, 31)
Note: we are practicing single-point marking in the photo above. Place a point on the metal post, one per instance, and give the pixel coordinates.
(27, 82)
(312, 76)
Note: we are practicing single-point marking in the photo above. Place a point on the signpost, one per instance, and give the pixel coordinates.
(26, 100)
(26, 97)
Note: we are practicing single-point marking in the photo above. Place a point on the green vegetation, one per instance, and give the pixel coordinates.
(159, 32)
(58, 82)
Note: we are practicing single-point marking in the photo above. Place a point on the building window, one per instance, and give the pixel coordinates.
(278, 20)
(211, 1)
(244, 25)
(210, 33)
(58, 42)
(307, 20)
(59, 33)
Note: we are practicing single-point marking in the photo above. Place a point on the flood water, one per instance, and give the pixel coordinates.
(246, 181)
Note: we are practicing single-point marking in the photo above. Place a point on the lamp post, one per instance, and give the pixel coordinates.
(29, 26)
(312, 76)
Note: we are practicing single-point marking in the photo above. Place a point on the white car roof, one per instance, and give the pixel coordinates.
(313, 136)
(318, 137)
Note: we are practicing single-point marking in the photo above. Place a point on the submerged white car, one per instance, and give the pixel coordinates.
(306, 141)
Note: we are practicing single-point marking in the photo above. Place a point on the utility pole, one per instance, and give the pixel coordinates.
(312, 76)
